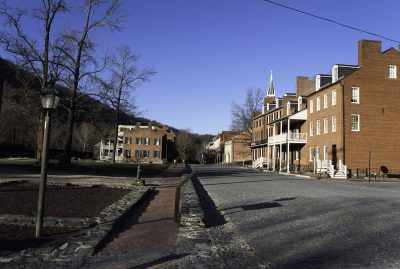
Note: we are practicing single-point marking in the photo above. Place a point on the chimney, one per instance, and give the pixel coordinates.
(366, 49)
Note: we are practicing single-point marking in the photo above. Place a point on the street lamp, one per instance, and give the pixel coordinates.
(49, 99)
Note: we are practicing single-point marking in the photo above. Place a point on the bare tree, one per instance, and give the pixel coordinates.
(77, 47)
(125, 77)
(84, 135)
(184, 143)
(33, 54)
(242, 113)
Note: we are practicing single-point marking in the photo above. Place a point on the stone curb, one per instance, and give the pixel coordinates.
(82, 243)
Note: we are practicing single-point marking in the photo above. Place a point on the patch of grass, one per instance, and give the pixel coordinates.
(88, 167)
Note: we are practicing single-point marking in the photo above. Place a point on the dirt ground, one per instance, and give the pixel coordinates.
(61, 201)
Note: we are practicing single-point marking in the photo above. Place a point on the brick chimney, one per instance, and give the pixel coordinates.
(367, 49)
(304, 86)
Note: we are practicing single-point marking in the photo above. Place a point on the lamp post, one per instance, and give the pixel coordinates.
(49, 99)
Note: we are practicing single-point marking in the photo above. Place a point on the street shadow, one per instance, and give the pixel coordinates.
(257, 206)
(243, 182)
(212, 216)
(261, 206)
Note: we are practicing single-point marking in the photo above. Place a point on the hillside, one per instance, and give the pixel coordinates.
(20, 110)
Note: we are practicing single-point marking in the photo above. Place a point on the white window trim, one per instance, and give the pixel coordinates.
(351, 123)
(334, 96)
(318, 103)
(311, 128)
(358, 95)
(325, 100)
(311, 154)
(394, 73)
(318, 132)
(333, 124)
(318, 154)
(326, 127)
(311, 106)
(326, 153)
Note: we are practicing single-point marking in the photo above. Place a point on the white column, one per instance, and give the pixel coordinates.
(280, 149)
(274, 150)
(288, 146)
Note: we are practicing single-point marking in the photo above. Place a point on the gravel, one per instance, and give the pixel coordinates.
(294, 222)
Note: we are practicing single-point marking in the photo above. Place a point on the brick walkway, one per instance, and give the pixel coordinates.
(147, 238)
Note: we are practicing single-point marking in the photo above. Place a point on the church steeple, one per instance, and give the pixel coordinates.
(271, 89)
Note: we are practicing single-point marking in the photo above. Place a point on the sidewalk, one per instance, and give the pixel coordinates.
(147, 238)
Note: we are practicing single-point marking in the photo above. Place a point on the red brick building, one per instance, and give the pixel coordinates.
(335, 125)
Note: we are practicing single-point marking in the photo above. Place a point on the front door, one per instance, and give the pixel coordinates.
(334, 157)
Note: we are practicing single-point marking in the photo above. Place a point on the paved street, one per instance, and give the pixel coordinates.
(294, 222)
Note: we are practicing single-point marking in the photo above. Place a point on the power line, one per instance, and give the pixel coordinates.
(331, 21)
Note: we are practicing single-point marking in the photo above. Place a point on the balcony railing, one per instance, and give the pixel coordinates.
(293, 138)
(261, 142)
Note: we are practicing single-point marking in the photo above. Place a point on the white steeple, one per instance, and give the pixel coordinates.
(271, 89)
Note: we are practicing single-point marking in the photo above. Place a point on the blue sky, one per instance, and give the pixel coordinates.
(208, 53)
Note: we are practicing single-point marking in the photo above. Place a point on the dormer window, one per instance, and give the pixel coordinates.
(299, 101)
(392, 71)
(335, 73)
(317, 82)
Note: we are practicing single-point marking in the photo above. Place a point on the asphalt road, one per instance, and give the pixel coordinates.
(293, 222)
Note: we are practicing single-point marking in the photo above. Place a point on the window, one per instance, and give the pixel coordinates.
(318, 154)
(325, 125)
(311, 154)
(318, 127)
(334, 97)
(318, 103)
(311, 106)
(355, 95)
(326, 100)
(288, 108)
(127, 140)
(157, 141)
(325, 153)
(145, 154)
(138, 141)
(355, 122)
(138, 153)
(145, 140)
(392, 71)
(156, 154)
(311, 128)
(333, 123)
(127, 153)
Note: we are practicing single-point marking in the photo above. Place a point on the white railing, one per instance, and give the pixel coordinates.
(342, 168)
(293, 138)
(258, 162)
(331, 169)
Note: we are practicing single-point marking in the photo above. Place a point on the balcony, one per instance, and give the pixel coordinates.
(259, 143)
(300, 138)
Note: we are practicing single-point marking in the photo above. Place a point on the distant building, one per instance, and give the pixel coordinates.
(237, 148)
(137, 143)
(217, 146)
(332, 123)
